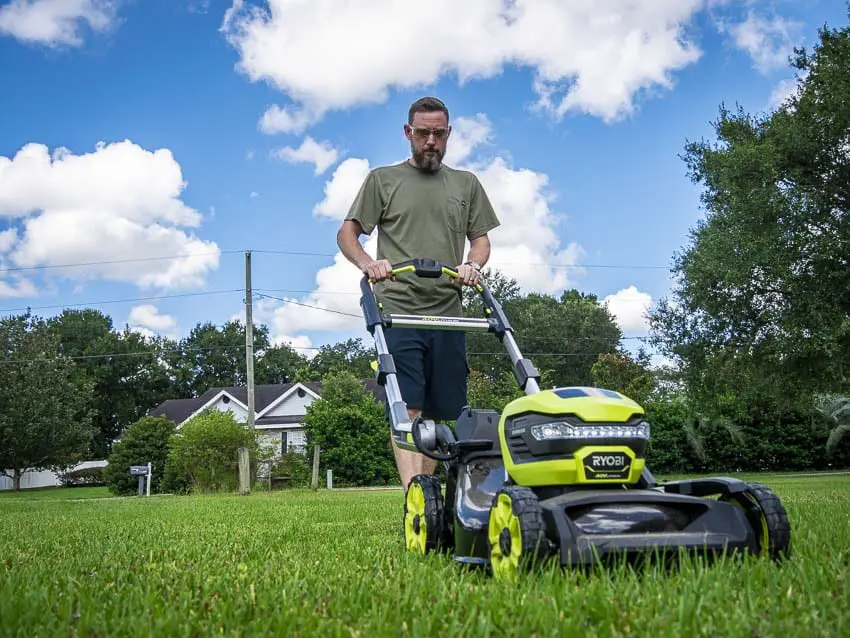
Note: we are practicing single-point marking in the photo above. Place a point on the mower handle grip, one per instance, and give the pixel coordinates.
(425, 268)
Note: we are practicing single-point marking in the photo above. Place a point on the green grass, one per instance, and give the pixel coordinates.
(53, 493)
(332, 564)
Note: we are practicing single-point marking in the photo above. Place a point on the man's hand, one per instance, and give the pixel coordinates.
(467, 275)
(378, 270)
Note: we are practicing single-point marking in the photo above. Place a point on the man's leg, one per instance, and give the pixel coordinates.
(408, 348)
(447, 372)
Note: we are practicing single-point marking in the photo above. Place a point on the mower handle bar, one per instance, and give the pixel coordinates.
(495, 321)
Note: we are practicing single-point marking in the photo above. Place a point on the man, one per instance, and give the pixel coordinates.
(423, 208)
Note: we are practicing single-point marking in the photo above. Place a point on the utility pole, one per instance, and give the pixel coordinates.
(244, 465)
(249, 339)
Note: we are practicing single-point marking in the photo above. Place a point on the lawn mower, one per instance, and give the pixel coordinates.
(559, 475)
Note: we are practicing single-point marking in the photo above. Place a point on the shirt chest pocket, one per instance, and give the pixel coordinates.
(457, 214)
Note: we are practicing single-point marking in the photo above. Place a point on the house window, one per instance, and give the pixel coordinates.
(296, 440)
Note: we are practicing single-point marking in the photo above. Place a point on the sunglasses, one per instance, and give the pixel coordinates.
(423, 133)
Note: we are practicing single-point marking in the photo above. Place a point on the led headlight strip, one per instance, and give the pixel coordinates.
(561, 430)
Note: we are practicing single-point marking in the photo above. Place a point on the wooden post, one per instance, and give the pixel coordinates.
(315, 467)
(244, 472)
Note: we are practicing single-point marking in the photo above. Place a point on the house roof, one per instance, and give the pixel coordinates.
(178, 410)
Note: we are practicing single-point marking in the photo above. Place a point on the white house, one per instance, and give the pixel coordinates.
(279, 410)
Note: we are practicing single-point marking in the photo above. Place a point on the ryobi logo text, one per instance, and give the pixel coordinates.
(607, 465)
(608, 460)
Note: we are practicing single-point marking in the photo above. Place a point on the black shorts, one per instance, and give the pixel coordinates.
(431, 369)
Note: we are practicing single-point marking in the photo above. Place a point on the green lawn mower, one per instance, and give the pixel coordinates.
(559, 475)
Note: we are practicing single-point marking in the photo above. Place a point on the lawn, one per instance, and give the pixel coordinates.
(332, 564)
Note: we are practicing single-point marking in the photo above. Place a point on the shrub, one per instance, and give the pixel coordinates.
(145, 441)
(204, 454)
(352, 430)
(85, 476)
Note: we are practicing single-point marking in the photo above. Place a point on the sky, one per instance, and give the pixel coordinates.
(145, 146)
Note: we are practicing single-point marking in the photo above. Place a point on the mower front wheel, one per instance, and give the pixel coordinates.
(516, 534)
(424, 517)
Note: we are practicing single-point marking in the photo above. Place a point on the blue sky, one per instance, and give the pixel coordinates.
(198, 99)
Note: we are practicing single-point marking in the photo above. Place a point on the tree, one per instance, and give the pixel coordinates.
(145, 441)
(563, 336)
(45, 422)
(278, 364)
(212, 356)
(346, 356)
(351, 428)
(126, 375)
(762, 306)
(619, 372)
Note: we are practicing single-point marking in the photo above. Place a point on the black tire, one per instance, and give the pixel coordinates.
(424, 516)
(516, 534)
(768, 518)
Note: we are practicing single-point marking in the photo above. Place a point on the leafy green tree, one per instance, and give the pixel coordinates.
(123, 368)
(619, 372)
(278, 364)
(45, 420)
(212, 356)
(204, 453)
(352, 431)
(762, 309)
(145, 441)
(350, 356)
(562, 336)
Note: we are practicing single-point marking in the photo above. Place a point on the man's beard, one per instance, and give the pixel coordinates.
(428, 161)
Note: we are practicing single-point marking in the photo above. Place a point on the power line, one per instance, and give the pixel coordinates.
(495, 262)
(126, 300)
(115, 261)
(357, 316)
(117, 355)
(242, 347)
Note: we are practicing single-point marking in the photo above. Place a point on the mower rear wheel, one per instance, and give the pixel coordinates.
(768, 518)
(424, 517)
(516, 534)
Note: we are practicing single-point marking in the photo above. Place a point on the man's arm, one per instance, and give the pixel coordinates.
(348, 240)
(362, 218)
(482, 219)
(479, 250)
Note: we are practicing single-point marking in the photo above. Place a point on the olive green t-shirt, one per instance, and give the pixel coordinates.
(422, 215)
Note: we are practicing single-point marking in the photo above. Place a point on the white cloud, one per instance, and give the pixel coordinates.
(322, 155)
(55, 22)
(147, 320)
(630, 307)
(278, 119)
(769, 42)
(341, 189)
(586, 58)
(117, 203)
(526, 246)
(468, 133)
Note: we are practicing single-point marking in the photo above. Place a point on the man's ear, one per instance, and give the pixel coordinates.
(408, 131)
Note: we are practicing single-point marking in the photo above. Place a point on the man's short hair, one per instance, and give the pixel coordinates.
(426, 105)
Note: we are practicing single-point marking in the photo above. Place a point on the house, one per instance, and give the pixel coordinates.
(279, 410)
